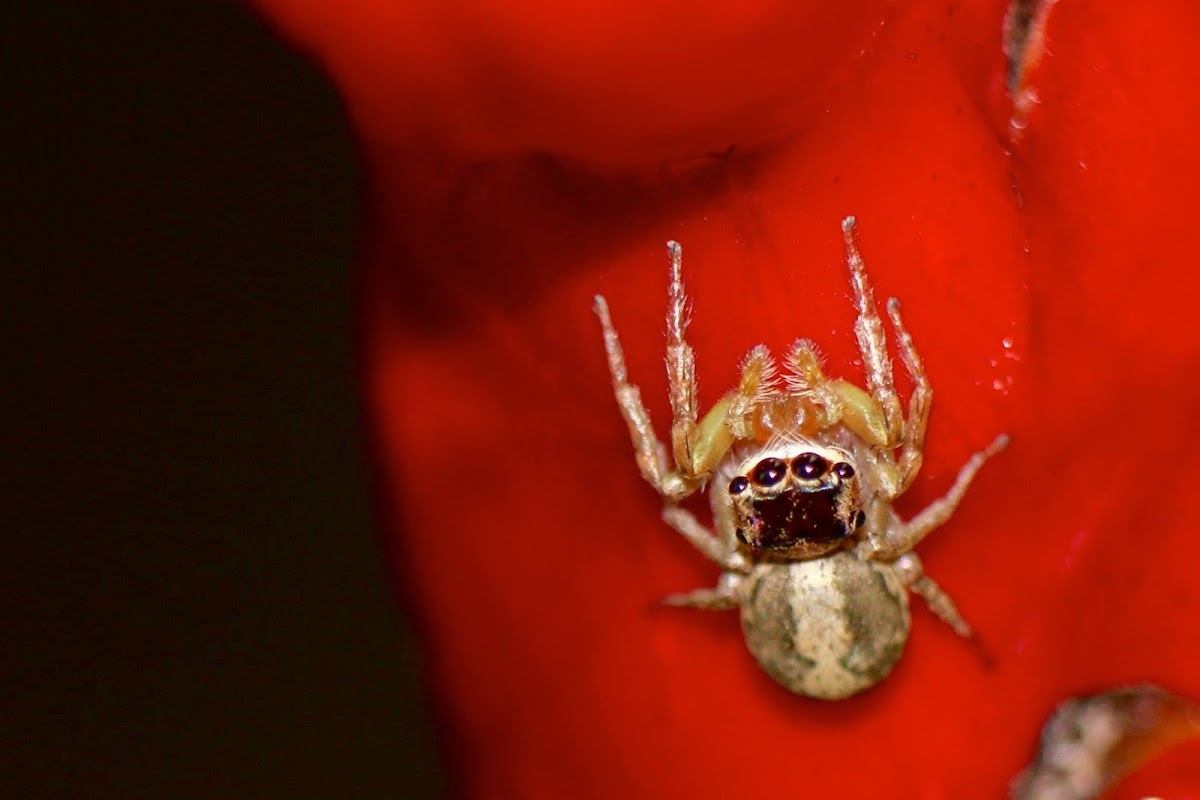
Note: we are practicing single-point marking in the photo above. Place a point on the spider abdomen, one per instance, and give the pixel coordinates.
(826, 628)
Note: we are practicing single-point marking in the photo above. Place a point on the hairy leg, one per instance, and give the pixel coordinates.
(904, 536)
(872, 342)
(722, 597)
(648, 450)
(913, 442)
(681, 366)
(704, 540)
(912, 574)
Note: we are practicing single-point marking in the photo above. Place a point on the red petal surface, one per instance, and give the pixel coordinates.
(1174, 775)
(526, 156)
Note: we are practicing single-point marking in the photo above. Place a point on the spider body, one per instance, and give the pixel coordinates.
(801, 474)
(829, 627)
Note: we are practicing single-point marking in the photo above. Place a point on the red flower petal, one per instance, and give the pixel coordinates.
(1174, 775)
(1048, 292)
(1108, 185)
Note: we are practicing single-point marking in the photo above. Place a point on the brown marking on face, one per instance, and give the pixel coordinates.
(798, 508)
(798, 514)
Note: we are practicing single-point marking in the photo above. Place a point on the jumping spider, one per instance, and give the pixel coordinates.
(802, 474)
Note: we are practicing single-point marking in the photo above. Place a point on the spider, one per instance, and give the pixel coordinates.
(801, 474)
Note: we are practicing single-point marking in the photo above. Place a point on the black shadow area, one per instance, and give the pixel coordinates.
(193, 601)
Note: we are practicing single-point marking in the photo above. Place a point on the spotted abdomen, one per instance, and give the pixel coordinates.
(827, 628)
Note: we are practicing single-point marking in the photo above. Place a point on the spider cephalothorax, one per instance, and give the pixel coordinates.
(795, 501)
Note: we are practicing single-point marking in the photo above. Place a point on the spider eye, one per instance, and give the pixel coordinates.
(808, 466)
(738, 484)
(769, 472)
(844, 471)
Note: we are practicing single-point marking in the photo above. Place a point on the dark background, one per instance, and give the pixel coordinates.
(193, 599)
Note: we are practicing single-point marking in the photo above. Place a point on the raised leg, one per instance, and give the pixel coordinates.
(912, 445)
(902, 537)
(912, 574)
(697, 447)
(648, 450)
(872, 342)
(681, 366)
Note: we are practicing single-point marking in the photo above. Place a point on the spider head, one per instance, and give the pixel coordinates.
(796, 501)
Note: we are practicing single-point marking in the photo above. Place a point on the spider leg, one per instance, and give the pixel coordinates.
(872, 342)
(912, 575)
(724, 595)
(724, 554)
(699, 447)
(720, 598)
(649, 452)
(913, 442)
(681, 366)
(901, 537)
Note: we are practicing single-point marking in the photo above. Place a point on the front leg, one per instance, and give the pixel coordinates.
(681, 366)
(699, 447)
(872, 342)
(912, 445)
(649, 452)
